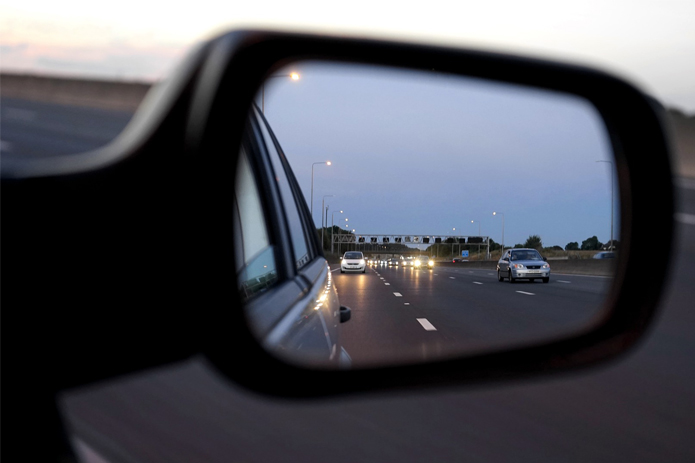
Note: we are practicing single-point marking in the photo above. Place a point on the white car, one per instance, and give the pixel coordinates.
(353, 261)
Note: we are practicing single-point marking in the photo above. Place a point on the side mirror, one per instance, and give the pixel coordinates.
(179, 161)
(345, 314)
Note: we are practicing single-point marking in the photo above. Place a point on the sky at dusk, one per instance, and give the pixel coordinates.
(651, 43)
(423, 153)
(410, 155)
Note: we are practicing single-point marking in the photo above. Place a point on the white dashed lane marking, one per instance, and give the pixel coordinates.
(387, 284)
(524, 292)
(398, 294)
(426, 324)
(477, 283)
(406, 303)
(453, 278)
(563, 281)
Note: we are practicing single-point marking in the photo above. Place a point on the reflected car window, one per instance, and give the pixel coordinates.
(298, 234)
(526, 255)
(255, 258)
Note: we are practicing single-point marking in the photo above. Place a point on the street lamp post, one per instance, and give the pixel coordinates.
(495, 213)
(610, 248)
(322, 215)
(332, 225)
(292, 75)
(311, 207)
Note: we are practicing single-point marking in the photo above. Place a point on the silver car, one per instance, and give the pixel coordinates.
(523, 263)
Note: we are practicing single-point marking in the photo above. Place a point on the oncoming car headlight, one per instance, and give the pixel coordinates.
(361, 261)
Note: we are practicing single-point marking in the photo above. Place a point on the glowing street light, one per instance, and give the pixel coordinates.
(333, 225)
(328, 163)
(324, 223)
(292, 76)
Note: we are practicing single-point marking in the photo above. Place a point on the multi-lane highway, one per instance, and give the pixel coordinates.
(409, 314)
(638, 409)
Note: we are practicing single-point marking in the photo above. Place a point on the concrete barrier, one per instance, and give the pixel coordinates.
(124, 96)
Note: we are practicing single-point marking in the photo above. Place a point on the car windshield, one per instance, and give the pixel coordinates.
(353, 255)
(526, 255)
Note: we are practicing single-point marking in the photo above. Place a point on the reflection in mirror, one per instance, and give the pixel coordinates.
(484, 214)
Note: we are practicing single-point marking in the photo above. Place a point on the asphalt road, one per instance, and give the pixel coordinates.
(640, 408)
(406, 314)
(32, 129)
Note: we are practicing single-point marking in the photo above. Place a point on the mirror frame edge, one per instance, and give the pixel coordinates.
(635, 125)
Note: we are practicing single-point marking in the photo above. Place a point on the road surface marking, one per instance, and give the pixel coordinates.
(426, 324)
(491, 274)
(477, 283)
(406, 303)
(524, 292)
(381, 278)
(387, 284)
(398, 294)
(453, 278)
(682, 217)
(563, 281)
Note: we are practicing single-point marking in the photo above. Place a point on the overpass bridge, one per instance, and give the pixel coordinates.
(401, 244)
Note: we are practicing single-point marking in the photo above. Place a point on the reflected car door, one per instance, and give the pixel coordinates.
(296, 306)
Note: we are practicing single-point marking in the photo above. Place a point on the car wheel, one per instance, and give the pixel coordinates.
(545, 280)
(499, 276)
(511, 278)
(342, 271)
(363, 271)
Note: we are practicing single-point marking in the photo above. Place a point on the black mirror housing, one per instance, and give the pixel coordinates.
(634, 121)
(205, 107)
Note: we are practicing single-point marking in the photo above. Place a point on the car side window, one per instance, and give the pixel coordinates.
(255, 258)
(298, 232)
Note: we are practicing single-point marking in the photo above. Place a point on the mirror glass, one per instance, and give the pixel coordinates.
(443, 184)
